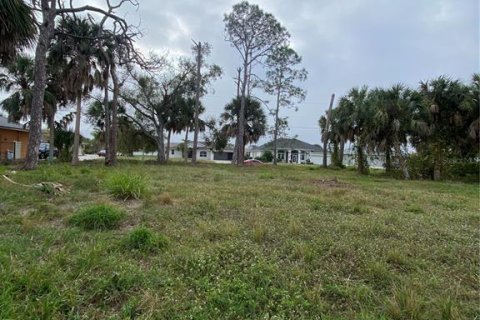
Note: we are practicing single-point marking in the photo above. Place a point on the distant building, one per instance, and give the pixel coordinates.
(291, 151)
(13, 140)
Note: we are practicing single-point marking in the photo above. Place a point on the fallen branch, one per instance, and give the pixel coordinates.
(47, 187)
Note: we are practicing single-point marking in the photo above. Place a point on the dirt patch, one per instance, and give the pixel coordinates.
(331, 183)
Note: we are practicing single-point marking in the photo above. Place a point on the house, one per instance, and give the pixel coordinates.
(203, 152)
(291, 151)
(176, 151)
(13, 140)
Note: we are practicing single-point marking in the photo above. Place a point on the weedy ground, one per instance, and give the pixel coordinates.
(219, 242)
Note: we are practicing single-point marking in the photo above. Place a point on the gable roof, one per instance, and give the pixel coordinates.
(285, 143)
(4, 123)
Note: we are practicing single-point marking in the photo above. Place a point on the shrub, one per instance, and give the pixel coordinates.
(144, 239)
(97, 217)
(126, 186)
(267, 156)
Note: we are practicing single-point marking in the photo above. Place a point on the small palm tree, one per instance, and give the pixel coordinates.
(255, 120)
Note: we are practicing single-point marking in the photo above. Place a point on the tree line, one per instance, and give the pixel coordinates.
(88, 54)
(434, 124)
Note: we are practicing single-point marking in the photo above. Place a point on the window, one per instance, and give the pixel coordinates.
(302, 156)
(203, 154)
(173, 151)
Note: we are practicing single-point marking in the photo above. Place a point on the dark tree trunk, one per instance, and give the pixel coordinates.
(388, 160)
(167, 151)
(76, 138)
(341, 151)
(185, 146)
(114, 127)
(361, 161)
(334, 160)
(106, 107)
(160, 144)
(52, 136)
(45, 34)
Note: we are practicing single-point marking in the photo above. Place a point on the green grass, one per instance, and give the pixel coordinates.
(97, 217)
(243, 243)
(144, 239)
(126, 185)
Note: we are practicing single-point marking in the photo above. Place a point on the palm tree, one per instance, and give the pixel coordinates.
(17, 28)
(392, 109)
(19, 79)
(255, 120)
(81, 72)
(354, 119)
(442, 122)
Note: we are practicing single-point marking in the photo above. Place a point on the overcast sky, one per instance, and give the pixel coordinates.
(344, 43)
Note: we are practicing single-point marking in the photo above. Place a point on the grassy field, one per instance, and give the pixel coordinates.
(219, 242)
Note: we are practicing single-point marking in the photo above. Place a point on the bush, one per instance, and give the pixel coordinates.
(469, 171)
(267, 156)
(97, 217)
(144, 239)
(421, 167)
(126, 186)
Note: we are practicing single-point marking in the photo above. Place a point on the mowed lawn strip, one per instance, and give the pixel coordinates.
(220, 242)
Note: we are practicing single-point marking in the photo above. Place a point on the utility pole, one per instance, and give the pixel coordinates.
(198, 47)
(325, 133)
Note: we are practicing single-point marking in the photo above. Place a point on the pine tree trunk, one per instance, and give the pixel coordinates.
(238, 154)
(45, 34)
(76, 138)
(275, 130)
(197, 104)
(114, 127)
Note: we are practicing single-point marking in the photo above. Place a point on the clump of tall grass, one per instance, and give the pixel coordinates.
(144, 239)
(97, 217)
(126, 186)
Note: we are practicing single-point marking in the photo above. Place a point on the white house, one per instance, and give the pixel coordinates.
(291, 151)
(203, 152)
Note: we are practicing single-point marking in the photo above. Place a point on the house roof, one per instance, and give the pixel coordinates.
(294, 144)
(5, 124)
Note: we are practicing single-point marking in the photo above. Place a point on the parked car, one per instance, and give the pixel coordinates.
(252, 162)
(102, 153)
(44, 151)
